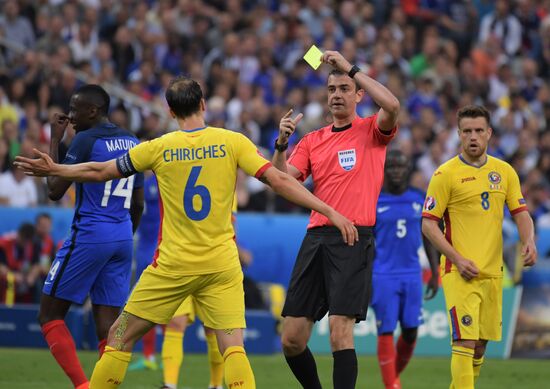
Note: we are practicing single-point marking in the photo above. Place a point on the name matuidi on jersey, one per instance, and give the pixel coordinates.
(119, 144)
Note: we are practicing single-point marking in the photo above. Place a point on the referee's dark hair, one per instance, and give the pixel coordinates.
(338, 72)
(473, 111)
(184, 96)
(95, 95)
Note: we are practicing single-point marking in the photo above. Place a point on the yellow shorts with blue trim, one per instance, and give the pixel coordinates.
(474, 308)
(158, 296)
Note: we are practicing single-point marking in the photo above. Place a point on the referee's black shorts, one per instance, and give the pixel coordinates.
(330, 276)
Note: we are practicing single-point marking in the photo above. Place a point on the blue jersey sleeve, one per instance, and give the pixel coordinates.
(80, 149)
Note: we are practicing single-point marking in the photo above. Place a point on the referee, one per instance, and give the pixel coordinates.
(346, 162)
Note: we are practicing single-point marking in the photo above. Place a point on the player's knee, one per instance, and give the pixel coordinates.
(341, 332)
(480, 347)
(293, 344)
(409, 334)
(46, 317)
(341, 340)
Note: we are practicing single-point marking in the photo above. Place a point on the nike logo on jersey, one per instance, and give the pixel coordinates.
(383, 209)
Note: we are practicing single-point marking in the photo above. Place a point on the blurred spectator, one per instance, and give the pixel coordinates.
(43, 227)
(17, 189)
(504, 25)
(16, 28)
(19, 266)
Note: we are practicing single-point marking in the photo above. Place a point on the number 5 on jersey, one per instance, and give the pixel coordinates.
(192, 190)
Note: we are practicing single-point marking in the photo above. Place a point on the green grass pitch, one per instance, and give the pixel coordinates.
(36, 369)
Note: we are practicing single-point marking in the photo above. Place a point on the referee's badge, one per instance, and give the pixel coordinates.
(347, 159)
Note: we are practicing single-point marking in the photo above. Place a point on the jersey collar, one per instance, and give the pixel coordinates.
(469, 164)
(194, 129)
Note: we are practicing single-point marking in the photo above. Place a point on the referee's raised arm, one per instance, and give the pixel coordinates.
(287, 126)
(388, 103)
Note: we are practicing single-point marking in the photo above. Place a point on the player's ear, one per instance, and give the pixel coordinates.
(203, 105)
(490, 132)
(172, 114)
(359, 95)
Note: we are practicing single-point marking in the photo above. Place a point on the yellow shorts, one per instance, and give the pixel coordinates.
(187, 307)
(474, 308)
(219, 297)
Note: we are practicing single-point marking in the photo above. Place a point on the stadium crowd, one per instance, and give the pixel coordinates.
(433, 55)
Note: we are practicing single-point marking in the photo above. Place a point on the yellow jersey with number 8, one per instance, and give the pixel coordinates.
(196, 172)
(470, 200)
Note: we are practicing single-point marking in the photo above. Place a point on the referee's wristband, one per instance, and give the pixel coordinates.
(279, 147)
(354, 69)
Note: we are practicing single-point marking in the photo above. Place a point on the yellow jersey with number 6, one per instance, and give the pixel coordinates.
(470, 200)
(196, 172)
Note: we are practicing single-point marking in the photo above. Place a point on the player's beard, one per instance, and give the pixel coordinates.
(474, 152)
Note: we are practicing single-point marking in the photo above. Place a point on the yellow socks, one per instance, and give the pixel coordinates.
(477, 367)
(462, 369)
(110, 370)
(215, 361)
(238, 373)
(172, 355)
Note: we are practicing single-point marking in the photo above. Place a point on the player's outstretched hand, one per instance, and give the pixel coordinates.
(467, 268)
(287, 126)
(39, 167)
(336, 60)
(432, 287)
(346, 227)
(529, 253)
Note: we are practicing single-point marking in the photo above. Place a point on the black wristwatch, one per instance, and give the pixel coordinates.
(354, 69)
(279, 147)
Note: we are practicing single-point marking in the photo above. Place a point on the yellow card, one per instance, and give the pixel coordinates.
(313, 57)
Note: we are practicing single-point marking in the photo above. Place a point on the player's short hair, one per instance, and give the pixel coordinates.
(184, 96)
(338, 72)
(473, 111)
(95, 95)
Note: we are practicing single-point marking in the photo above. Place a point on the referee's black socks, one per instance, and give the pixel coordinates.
(344, 374)
(305, 370)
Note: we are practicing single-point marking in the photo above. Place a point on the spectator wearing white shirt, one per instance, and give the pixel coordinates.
(17, 189)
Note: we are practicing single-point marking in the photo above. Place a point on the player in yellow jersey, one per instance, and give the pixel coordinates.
(469, 192)
(196, 170)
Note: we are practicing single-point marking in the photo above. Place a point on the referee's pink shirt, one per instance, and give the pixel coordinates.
(347, 168)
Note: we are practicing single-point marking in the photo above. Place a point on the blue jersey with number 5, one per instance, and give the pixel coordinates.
(398, 232)
(102, 209)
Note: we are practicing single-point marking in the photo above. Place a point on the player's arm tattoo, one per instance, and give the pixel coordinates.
(229, 331)
(121, 329)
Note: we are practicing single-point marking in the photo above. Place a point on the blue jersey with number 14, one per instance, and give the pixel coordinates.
(102, 209)
(398, 233)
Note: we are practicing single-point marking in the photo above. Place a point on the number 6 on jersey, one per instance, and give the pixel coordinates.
(192, 190)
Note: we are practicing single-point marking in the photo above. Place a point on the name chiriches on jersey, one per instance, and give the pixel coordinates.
(193, 154)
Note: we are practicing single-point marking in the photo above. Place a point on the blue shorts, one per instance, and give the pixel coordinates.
(397, 298)
(100, 269)
(144, 257)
